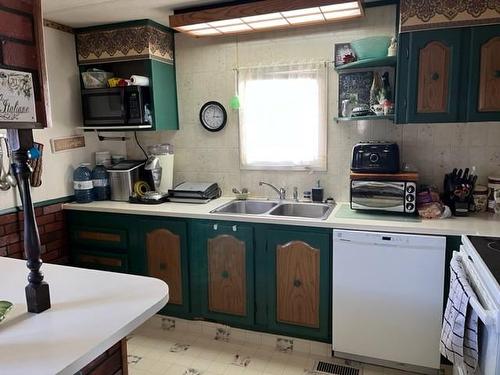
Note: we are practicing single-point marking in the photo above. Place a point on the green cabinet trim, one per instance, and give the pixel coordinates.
(206, 231)
(261, 241)
(463, 75)
(140, 251)
(321, 242)
(478, 37)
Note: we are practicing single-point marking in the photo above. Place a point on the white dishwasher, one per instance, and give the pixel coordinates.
(388, 298)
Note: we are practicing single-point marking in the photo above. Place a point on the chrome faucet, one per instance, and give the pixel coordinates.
(295, 193)
(281, 191)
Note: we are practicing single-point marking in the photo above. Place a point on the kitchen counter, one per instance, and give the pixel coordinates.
(91, 311)
(479, 224)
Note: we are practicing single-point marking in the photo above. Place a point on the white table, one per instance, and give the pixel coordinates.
(91, 311)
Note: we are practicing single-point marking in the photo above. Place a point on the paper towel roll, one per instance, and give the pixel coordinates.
(139, 80)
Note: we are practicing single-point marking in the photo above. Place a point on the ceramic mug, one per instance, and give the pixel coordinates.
(378, 109)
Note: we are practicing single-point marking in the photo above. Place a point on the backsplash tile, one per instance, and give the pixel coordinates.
(205, 72)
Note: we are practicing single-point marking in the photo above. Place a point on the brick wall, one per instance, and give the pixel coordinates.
(51, 222)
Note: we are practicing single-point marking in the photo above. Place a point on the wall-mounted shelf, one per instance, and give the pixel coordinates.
(358, 118)
(368, 63)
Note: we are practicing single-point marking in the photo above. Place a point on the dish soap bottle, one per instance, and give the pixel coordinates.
(317, 193)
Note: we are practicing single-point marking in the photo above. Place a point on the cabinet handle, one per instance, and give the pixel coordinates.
(216, 226)
(434, 76)
(235, 228)
(497, 74)
(297, 283)
(224, 274)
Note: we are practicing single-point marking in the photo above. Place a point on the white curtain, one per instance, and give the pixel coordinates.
(283, 117)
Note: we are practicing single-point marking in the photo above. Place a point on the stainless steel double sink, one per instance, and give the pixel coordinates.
(319, 211)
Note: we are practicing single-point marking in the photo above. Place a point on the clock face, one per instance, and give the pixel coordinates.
(213, 116)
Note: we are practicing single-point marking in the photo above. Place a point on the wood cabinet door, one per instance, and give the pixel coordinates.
(226, 275)
(431, 83)
(225, 272)
(163, 246)
(164, 261)
(484, 72)
(299, 283)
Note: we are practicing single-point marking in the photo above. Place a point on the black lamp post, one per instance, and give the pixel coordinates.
(37, 290)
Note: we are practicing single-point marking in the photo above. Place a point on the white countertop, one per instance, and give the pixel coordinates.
(91, 311)
(477, 224)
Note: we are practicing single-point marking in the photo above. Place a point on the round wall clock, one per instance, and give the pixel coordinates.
(213, 116)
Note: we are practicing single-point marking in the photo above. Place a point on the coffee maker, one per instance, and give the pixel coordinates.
(159, 172)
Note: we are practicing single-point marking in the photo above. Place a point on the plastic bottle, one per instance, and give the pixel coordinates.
(100, 180)
(82, 183)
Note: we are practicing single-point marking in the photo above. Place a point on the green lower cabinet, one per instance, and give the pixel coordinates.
(223, 269)
(162, 250)
(299, 282)
(100, 260)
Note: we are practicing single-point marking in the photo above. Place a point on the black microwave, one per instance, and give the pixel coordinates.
(128, 106)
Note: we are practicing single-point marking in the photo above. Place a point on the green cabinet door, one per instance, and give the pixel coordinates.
(483, 102)
(224, 260)
(164, 94)
(430, 75)
(162, 251)
(298, 279)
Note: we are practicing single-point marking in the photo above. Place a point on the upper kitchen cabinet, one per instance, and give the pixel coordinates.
(483, 102)
(450, 75)
(142, 48)
(22, 49)
(429, 75)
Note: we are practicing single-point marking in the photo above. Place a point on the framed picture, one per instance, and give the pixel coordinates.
(340, 50)
(17, 97)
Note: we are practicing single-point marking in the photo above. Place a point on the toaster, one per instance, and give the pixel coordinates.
(375, 157)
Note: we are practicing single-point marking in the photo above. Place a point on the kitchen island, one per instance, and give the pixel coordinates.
(91, 311)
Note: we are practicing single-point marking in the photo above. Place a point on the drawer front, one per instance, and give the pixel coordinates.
(100, 237)
(101, 261)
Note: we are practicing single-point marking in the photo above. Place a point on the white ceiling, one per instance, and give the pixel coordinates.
(80, 13)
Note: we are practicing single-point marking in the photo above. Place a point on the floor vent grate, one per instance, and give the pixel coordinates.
(336, 369)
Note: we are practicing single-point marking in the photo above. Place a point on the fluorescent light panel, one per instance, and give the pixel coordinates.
(263, 17)
(337, 7)
(342, 14)
(197, 26)
(301, 12)
(268, 24)
(306, 19)
(234, 28)
(232, 21)
(320, 14)
(204, 32)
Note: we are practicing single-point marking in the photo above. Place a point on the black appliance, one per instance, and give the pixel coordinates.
(375, 157)
(127, 106)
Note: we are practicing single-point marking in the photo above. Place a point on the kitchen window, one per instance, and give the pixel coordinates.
(283, 121)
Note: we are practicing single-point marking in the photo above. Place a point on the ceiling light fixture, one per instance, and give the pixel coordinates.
(264, 15)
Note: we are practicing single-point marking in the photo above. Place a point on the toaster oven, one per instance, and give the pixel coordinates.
(379, 195)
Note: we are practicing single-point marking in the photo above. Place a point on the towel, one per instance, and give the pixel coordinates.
(459, 336)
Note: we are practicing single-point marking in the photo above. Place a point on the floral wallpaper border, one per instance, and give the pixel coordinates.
(127, 43)
(434, 14)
